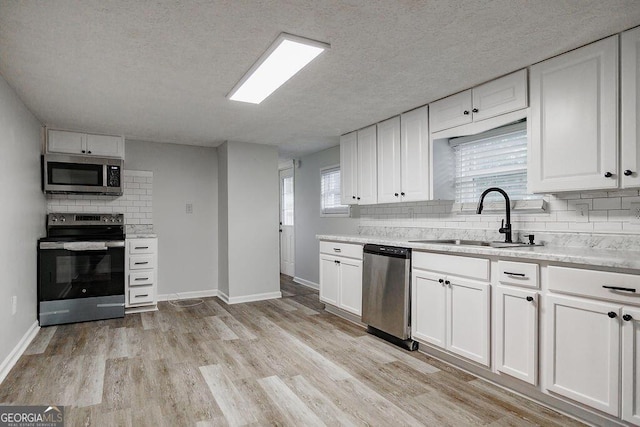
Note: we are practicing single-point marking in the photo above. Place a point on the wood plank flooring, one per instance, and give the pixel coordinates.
(278, 362)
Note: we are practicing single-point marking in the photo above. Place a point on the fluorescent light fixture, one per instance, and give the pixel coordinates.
(285, 57)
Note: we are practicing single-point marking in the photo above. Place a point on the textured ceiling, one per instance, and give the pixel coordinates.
(160, 70)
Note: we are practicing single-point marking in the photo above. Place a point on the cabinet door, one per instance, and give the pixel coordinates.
(428, 306)
(329, 279)
(59, 141)
(389, 161)
(468, 320)
(414, 153)
(351, 286)
(349, 168)
(517, 333)
(574, 126)
(500, 96)
(630, 152)
(105, 145)
(367, 166)
(583, 351)
(450, 112)
(631, 366)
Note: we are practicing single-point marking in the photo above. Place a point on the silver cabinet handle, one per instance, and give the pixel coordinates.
(142, 263)
(142, 247)
(618, 288)
(141, 296)
(141, 278)
(515, 274)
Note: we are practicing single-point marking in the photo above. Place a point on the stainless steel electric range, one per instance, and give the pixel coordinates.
(81, 268)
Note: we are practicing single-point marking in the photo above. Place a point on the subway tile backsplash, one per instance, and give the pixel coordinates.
(136, 203)
(606, 212)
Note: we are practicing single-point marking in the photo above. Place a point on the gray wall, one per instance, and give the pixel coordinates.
(308, 222)
(252, 220)
(187, 243)
(22, 216)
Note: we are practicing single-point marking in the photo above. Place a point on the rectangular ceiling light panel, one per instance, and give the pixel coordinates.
(284, 58)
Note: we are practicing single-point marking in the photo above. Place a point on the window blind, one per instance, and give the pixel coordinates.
(330, 193)
(496, 158)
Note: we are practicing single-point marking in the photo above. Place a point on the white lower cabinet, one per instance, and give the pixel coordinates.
(517, 333)
(141, 269)
(341, 276)
(583, 351)
(451, 313)
(631, 365)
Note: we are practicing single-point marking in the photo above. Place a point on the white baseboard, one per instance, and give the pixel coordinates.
(249, 298)
(11, 360)
(307, 283)
(188, 295)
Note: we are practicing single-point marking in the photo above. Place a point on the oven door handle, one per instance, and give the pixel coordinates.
(82, 246)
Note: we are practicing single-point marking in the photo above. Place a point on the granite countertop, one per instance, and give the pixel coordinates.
(623, 259)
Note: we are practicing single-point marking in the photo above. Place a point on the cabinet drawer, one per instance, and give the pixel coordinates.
(139, 278)
(473, 268)
(518, 274)
(141, 246)
(141, 295)
(341, 249)
(139, 262)
(591, 283)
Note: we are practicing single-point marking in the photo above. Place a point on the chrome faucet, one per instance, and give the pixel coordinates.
(504, 229)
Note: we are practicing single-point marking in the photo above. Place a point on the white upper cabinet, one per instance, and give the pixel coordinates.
(59, 141)
(358, 168)
(367, 166)
(389, 169)
(630, 93)
(403, 158)
(414, 152)
(573, 134)
(500, 96)
(349, 168)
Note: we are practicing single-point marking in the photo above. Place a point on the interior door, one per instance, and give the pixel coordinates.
(287, 252)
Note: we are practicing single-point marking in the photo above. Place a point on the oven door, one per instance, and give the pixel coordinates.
(71, 270)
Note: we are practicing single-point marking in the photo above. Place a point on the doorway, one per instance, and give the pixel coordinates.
(287, 245)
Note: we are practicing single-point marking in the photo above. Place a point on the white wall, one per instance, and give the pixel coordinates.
(22, 216)
(252, 221)
(187, 243)
(308, 223)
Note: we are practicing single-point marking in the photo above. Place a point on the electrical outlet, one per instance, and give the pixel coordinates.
(635, 212)
(189, 208)
(14, 304)
(582, 212)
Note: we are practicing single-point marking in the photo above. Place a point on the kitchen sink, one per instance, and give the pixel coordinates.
(461, 242)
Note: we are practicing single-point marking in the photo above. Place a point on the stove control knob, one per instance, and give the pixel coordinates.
(54, 219)
(62, 219)
(105, 219)
(113, 219)
(119, 219)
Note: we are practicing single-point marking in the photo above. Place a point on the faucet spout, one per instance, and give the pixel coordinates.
(505, 228)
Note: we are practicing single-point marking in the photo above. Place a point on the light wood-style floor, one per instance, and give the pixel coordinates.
(278, 362)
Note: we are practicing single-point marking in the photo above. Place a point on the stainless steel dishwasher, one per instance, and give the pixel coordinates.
(386, 294)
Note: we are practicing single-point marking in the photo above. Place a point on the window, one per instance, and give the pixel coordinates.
(496, 158)
(330, 204)
(286, 197)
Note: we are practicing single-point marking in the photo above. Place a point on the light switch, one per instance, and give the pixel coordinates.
(189, 208)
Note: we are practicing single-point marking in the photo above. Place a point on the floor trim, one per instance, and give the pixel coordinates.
(249, 298)
(307, 283)
(188, 295)
(10, 361)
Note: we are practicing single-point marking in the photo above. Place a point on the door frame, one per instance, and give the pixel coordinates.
(286, 171)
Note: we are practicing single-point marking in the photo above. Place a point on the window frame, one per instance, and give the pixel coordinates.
(346, 213)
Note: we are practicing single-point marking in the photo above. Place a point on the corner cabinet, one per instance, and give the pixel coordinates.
(574, 120)
(341, 276)
(450, 311)
(61, 141)
(141, 274)
(358, 168)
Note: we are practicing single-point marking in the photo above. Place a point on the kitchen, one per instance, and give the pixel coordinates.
(232, 187)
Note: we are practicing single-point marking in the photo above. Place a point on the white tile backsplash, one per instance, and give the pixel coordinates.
(136, 203)
(608, 212)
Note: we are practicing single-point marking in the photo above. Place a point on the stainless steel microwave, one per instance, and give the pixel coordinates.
(71, 174)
